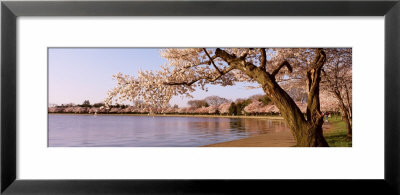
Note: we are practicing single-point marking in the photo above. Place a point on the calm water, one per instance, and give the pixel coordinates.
(148, 131)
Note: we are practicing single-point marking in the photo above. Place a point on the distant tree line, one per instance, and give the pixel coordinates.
(214, 105)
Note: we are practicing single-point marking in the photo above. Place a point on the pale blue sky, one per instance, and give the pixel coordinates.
(78, 74)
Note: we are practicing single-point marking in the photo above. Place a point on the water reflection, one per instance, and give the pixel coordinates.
(145, 131)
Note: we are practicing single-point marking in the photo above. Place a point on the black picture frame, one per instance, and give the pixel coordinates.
(11, 10)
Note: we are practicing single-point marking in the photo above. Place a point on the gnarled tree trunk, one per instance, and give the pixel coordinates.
(307, 131)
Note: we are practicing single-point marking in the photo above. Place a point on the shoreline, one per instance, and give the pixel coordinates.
(179, 115)
(276, 139)
(281, 139)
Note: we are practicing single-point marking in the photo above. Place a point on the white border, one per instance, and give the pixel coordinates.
(364, 160)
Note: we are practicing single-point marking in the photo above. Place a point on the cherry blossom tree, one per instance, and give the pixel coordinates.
(192, 68)
(224, 108)
(170, 110)
(329, 102)
(253, 107)
(212, 109)
(337, 79)
(202, 110)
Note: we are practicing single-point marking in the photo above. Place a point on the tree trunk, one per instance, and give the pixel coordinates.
(307, 132)
(349, 121)
(346, 115)
(349, 129)
(314, 115)
(314, 138)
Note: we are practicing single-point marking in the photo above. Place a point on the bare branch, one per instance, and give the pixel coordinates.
(212, 61)
(285, 63)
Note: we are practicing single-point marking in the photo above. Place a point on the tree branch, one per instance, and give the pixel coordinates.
(208, 78)
(238, 63)
(313, 79)
(319, 60)
(224, 55)
(212, 61)
(245, 54)
(314, 73)
(208, 62)
(285, 63)
(263, 59)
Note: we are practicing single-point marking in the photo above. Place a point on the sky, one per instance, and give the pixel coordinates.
(79, 74)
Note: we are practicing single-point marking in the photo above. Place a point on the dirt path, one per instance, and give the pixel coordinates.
(276, 139)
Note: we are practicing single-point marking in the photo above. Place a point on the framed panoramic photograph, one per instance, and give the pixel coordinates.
(270, 97)
(199, 97)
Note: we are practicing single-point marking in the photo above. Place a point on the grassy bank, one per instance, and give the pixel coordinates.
(337, 136)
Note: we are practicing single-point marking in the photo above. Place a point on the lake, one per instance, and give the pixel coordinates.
(69, 130)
